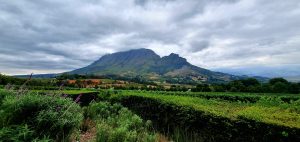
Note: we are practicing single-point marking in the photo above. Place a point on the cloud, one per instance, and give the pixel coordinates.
(54, 36)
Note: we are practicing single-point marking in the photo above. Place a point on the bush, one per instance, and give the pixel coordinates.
(3, 94)
(19, 133)
(183, 122)
(102, 110)
(58, 115)
(117, 124)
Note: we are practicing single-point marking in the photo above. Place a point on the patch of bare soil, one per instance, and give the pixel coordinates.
(88, 131)
(88, 136)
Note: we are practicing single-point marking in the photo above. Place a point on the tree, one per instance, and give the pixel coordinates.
(219, 88)
(250, 82)
(273, 81)
(280, 87)
(266, 88)
(254, 88)
(233, 89)
(202, 88)
(294, 88)
(237, 86)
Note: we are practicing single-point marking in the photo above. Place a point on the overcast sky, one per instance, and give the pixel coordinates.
(248, 36)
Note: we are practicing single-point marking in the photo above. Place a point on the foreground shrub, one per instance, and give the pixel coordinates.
(3, 94)
(117, 124)
(19, 133)
(103, 110)
(46, 115)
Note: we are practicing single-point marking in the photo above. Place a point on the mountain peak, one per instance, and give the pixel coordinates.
(175, 58)
(137, 53)
(146, 62)
(174, 55)
(140, 50)
(128, 56)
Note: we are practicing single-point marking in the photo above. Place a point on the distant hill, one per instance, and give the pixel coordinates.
(147, 64)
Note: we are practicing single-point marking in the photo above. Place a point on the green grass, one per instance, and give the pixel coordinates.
(267, 110)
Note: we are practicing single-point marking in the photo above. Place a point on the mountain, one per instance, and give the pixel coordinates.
(146, 63)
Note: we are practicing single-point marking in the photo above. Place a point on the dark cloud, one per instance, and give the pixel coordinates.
(54, 35)
(198, 45)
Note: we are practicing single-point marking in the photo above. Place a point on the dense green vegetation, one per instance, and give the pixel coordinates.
(24, 117)
(4, 80)
(251, 85)
(115, 123)
(264, 108)
(205, 112)
(275, 85)
(228, 96)
(45, 116)
(183, 116)
(215, 119)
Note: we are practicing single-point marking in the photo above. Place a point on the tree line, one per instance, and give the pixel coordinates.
(275, 85)
(4, 80)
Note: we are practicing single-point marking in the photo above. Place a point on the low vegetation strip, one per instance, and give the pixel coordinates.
(228, 96)
(266, 110)
(267, 119)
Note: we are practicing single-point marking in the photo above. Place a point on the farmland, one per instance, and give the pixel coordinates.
(118, 114)
(271, 110)
(269, 117)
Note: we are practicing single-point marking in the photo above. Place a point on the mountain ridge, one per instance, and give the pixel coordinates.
(146, 63)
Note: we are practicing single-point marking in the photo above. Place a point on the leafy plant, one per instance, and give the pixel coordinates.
(20, 133)
(117, 124)
(59, 116)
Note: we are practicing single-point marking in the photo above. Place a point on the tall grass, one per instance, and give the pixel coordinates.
(44, 116)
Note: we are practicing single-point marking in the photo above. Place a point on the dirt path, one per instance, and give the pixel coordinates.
(163, 138)
(89, 132)
(89, 135)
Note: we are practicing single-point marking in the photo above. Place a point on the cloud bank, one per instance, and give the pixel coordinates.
(48, 36)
